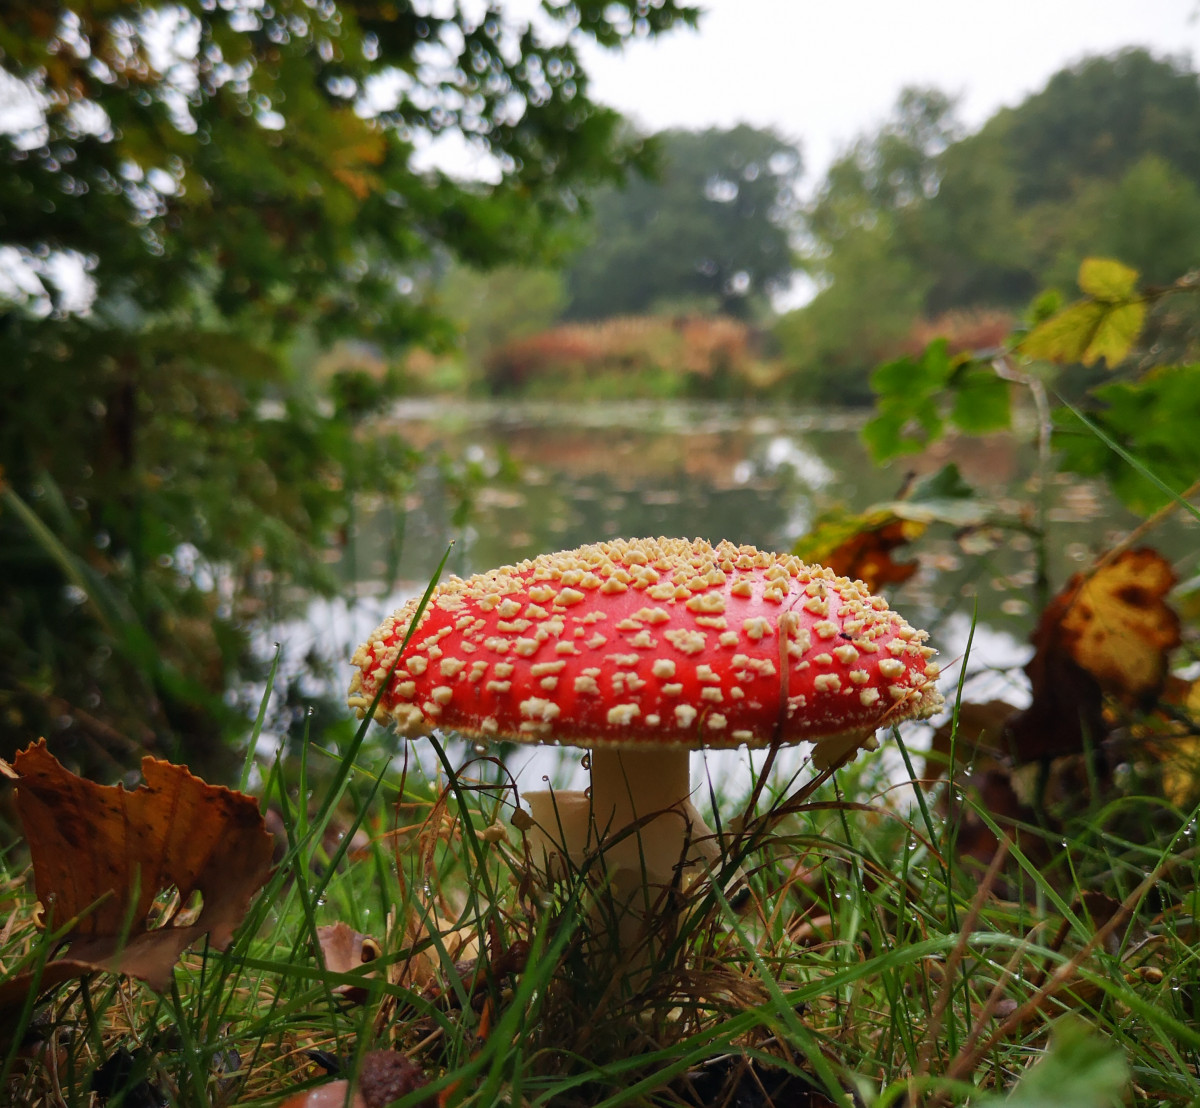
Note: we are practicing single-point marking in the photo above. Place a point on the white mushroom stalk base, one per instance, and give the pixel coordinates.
(627, 785)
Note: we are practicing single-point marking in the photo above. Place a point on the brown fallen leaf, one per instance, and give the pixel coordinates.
(1107, 633)
(1171, 737)
(861, 546)
(386, 1076)
(1117, 625)
(105, 854)
(343, 950)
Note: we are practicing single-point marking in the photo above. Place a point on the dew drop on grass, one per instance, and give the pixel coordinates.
(586, 762)
(479, 748)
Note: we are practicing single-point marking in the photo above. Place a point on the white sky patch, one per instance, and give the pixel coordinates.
(21, 113)
(60, 281)
(822, 74)
(456, 156)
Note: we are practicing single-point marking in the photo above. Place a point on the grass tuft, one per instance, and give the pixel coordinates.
(845, 954)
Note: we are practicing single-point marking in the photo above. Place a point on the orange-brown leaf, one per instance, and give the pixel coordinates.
(344, 950)
(1106, 633)
(1117, 625)
(104, 854)
(861, 547)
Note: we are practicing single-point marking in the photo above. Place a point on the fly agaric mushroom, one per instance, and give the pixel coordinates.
(644, 650)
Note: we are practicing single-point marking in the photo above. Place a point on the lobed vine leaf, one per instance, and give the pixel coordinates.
(918, 397)
(1154, 420)
(1104, 326)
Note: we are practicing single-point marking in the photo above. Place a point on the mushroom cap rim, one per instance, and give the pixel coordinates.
(718, 741)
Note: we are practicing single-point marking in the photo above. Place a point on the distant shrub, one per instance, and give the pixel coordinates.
(682, 355)
(964, 330)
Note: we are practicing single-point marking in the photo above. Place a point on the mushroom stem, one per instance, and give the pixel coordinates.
(630, 784)
(561, 830)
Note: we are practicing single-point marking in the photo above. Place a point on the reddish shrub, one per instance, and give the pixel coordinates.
(964, 330)
(696, 346)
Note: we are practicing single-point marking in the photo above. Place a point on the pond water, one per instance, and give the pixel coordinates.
(545, 477)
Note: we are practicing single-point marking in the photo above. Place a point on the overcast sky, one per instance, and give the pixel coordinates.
(823, 71)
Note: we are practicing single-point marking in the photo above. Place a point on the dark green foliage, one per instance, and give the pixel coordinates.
(1152, 220)
(1155, 419)
(1098, 118)
(710, 228)
(919, 397)
(1108, 151)
(236, 182)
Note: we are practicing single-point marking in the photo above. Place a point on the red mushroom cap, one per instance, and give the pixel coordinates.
(650, 642)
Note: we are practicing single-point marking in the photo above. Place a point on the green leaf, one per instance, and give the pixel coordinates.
(908, 415)
(981, 400)
(1143, 441)
(907, 377)
(946, 484)
(942, 497)
(902, 428)
(1106, 279)
(1080, 1070)
(1047, 304)
(891, 378)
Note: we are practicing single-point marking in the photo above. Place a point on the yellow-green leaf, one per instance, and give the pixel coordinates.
(1116, 331)
(1106, 279)
(1086, 332)
(1064, 337)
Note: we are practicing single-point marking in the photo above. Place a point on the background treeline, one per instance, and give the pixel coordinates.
(917, 230)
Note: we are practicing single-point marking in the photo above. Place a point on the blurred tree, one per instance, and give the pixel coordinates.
(917, 220)
(186, 187)
(858, 249)
(710, 229)
(869, 298)
(1149, 219)
(1024, 200)
(492, 307)
(1097, 118)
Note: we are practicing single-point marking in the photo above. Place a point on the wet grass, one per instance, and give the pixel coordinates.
(859, 961)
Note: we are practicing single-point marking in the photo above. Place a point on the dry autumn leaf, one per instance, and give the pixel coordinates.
(102, 856)
(1117, 625)
(861, 547)
(344, 950)
(1106, 633)
(1173, 739)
